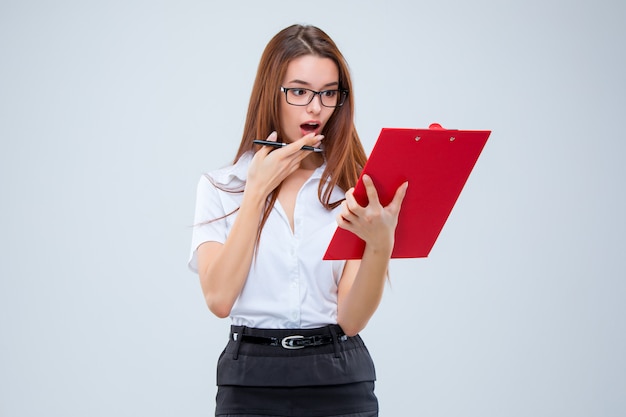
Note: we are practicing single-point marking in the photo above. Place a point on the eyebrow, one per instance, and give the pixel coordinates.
(296, 81)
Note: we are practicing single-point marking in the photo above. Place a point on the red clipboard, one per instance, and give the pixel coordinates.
(437, 163)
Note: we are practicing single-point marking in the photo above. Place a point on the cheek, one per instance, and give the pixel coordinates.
(328, 115)
(284, 117)
(289, 125)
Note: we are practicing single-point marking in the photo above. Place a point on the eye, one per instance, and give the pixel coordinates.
(330, 93)
(298, 92)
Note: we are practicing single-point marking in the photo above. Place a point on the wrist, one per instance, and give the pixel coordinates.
(253, 199)
(380, 247)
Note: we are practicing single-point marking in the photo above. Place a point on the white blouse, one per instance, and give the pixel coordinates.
(288, 285)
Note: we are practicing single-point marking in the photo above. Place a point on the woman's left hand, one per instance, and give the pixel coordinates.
(373, 223)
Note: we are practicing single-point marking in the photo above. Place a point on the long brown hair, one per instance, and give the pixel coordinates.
(344, 152)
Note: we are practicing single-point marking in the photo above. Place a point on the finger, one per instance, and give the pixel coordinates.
(344, 223)
(370, 189)
(273, 137)
(346, 213)
(398, 197)
(308, 140)
(265, 150)
(293, 149)
(350, 204)
(312, 139)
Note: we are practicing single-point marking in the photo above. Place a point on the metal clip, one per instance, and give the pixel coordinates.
(287, 342)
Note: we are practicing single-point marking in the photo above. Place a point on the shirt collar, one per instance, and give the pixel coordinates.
(233, 176)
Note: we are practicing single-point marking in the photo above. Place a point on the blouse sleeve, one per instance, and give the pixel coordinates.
(209, 224)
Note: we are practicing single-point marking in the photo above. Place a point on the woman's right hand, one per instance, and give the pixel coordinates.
(270, 166)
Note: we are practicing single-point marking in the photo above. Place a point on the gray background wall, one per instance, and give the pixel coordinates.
(110, 112)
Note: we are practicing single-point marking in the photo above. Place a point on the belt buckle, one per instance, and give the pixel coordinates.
(287, 342)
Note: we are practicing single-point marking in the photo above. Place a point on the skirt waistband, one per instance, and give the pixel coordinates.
(253, 331)
(289, 338)
(343, 360)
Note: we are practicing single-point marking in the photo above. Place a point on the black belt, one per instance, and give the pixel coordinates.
(290, 342)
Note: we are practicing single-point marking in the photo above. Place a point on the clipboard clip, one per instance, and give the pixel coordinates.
(433, 126)
(436, 126)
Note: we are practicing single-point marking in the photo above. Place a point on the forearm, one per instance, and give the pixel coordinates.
(226, 270)
(360, 291)
(360, 302)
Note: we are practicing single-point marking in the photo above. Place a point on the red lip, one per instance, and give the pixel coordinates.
(311, 126)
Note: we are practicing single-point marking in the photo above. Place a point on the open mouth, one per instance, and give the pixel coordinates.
(309, 127)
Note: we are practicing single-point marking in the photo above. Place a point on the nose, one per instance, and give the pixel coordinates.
(315, 106)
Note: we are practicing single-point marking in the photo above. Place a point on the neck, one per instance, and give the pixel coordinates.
(312, 161)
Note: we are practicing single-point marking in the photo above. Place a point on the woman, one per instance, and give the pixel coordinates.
(263, 225)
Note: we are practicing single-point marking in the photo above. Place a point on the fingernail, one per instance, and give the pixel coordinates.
(320, 137)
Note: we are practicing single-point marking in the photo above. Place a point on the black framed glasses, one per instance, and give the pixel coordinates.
(298, 96)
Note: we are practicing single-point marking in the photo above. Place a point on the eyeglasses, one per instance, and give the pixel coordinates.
(298, 96)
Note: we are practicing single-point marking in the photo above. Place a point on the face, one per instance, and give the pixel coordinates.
(314, 73)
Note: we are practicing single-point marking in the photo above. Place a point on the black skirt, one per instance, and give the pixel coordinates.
(259, 374)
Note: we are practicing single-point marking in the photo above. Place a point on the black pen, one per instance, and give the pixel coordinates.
(281, 144)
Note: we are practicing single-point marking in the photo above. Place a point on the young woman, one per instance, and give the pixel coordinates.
(262, 227)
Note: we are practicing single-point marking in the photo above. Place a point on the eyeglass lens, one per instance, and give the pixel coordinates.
(303, 96)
